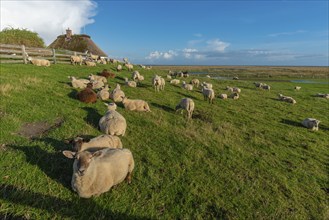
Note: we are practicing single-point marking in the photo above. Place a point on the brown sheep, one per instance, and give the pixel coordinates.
(107, 74)
(87, 95)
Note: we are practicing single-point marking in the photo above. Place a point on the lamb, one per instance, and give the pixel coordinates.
(135, 105)
(208, 94)
(129, 66)
(117, 94)
(322, 95)
(96, 172)
(89, 63)
(137, 77)
(97, 78)
(76, 59)
(207, 85)
(311, 123)
(234, 96)
(266, 87)
(175, 81)
(112, 123)
(102, 141)
(195, 82)
(223, 96)
(297, 88)
(258, 84)
(130, 83)
(104, 93)
(78, 83)
(39, 62)
(87, 95)
(188, 87)
(157, 82)
(236, 90)
(119, 68)
(188, 105)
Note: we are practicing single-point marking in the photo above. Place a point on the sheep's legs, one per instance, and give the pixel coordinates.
(129, 177)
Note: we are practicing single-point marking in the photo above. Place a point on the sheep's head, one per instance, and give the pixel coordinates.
(77, 143)
(29, 58)
(111, 106)
(90, 85)
(82, 159)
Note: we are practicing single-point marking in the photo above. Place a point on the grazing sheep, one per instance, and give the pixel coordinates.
(89, 63)
(129, 66)
(112, 123)
(104, 94)
(102, 141)
(322, 95)
(78, 83)
(208, 94)
(96, 172)
(87, 95)
(311, 123)
(186, 104)
(230, 89)
(258, 84)
(119, 68)
(195, 82)
(175, 81)
(287, 99)
(297, 88)
(39, 62)
(207, 85)
(117, 94)
(130, 83)
(234, 96)
(135, 105)
(105, 73)
(76, 59)
(223, 96)
(188, 87)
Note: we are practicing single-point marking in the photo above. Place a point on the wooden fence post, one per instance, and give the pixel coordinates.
(54, 56)
(24, 54)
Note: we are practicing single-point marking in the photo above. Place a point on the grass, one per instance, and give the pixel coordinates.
(21, 37)
(237, 159)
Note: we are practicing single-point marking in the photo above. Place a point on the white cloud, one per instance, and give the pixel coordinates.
(217, 45)
(48, 18)
(188, 52)
(286, 33)
(158, 55)
(197, 35)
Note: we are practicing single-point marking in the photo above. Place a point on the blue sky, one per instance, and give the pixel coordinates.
(210, 32)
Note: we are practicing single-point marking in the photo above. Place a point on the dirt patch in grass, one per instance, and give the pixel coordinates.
(37, 129)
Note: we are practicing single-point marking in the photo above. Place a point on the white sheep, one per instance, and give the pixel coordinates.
(129, 66)
(137, 77)
(236, 90)
(97, 143)
(168, 76)
(119, 68)
(112, 123)
(96, 172)
(297, 88)
(163, 83)
(265, 87)
(78, 83)
(186, 104)
(117, 94)
(311, 123)
(287, 99)
(230, 89)
(39, 62)
(97, 78)
(90, 63)
(97, 84)
(175, 81)
(135, 105)
(130, 83)
(208, 94)
(195, 82)
(104, 94)
(188, 87)
(258, 84)
(322, 95)
(223, 96)
(76, 59)
(234, 96)
(207, 85)
(156, 82)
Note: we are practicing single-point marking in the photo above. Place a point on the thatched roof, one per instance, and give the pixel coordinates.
(77, 42)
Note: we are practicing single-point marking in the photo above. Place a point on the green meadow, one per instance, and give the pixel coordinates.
(236, 159)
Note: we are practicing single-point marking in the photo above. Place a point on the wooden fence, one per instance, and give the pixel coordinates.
(18, 54)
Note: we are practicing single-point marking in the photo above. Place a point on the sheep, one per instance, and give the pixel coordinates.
(235, 78)
(137, 77)
(322, 95)
(156, 82)
(112, 123)
(119, 68)
(234, 96)
(163, 83)
(236, 90)
(95, 173)
(287, 99)
(311, 123)
(102, 141)
(117, 94)
(207, 85)
(297, 88)
(125, 60)
(97, 84)
(188, 87)
(104, 93)
(186, 104)
(168, 76)
(175, 81)
(258, 84)
(265, 87)
(97, 78)
(129, 66)
(223, 96)
(195, 82)
(130, 83)
(135, 105)
(208, 76)
(208, 94)
(105, 73)
(39, 62)
(94, 57)
(87, 95)
(76, 59)
(89, 63)
(78, 83)
(230, 89)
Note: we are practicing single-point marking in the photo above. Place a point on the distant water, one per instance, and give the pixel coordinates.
(307, 81)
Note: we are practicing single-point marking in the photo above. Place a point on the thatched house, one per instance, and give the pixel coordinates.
(76, 42)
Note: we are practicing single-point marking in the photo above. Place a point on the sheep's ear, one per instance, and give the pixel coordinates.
(69, 154)
(98, 153)
(106, 104)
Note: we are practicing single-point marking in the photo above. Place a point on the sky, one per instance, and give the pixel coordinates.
(259, 32)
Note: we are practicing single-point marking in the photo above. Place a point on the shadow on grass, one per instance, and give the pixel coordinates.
(163, 107)
(73, 94)
(92, 117)
(120, 77)
(76, 208)
(292, 123)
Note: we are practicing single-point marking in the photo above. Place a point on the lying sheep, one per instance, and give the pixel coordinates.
(129, 66)
(90, 63)
(230, 89)
(130, 83)
(76, 59)
(112, 123)
(265, 87)
(297, 88)
(234, 96)
(311, 123)
(186, 104)
(188, 87)
(87, 95)
(208, 94)
(322, 95)
(97, 78)
(96, 172)
(104, 94)
(39, 62)
(135, 105)
(175, 81)
(119, 68)
(287, 99)
(258, 84)
(195, 82)
(223, 96)
(105, 73)
(117, 94)
(97, 84)
(78, 83)
(102, 141)
(236, 90)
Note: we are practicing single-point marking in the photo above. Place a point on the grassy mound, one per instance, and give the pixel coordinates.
(21, 37)
(237, 159)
